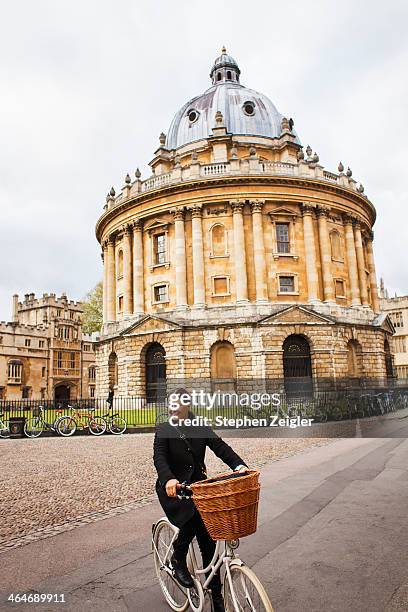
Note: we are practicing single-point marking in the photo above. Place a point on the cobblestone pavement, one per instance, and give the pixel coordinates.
(51, 485)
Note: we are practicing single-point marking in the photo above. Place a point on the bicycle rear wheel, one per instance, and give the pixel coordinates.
(33, 427)
(174, 594)
(66, 426)
(117, 425)
(97, 425)
(4, 429)
(249, 593)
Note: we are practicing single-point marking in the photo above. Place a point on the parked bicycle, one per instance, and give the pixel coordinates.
(81, 418)
(242, 589)
(34, 426)
(4, 427)
(116, 424)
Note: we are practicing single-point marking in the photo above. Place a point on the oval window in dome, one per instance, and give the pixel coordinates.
(249, 108)
(193, 115)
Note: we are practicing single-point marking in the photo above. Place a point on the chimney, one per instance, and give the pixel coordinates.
(15, 308)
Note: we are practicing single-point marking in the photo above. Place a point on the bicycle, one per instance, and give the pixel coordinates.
(34, 426)
(242, 589)
(81, 419)
(116, 424)
(4, 427)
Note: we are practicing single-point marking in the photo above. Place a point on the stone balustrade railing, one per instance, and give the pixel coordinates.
(235, 167)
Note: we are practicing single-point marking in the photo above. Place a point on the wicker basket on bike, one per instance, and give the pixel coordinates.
(228, 504)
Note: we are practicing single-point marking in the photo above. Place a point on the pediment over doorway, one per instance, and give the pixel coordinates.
(297, 314)
(150, 324)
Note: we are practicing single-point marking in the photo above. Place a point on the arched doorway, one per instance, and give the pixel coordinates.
(297, 366)
(389, 369)
(223, 366)
(155, 362)
(62, 393)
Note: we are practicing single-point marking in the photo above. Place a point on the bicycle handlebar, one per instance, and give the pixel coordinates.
(185, 491)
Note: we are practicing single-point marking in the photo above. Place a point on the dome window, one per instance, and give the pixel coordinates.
(193, 115)
(219, 76)
(249, 108)
(229, 75)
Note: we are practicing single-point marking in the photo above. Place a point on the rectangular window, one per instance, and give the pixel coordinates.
(286, 284)
(59, 359)
(66, 333)
(160, 248)
(339, 286)
(41, 344)
(221, 285)
(282, 237)
(72, 361)
(43, 371)
(1, 339)
(1, 393)
(120, 303)
(86, 348)
(58, 312)
(92, 392)
(160, 293)
(25, 393)
(27, 342)
(15, 371)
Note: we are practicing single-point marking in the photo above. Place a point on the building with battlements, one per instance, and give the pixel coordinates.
(43, 352)
(240, 258)
(397, 309)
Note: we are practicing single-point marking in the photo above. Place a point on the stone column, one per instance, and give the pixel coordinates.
(180, 259)
(127, 272)
(325, 255)
(111, 280)
(310, 254)
(241, 280)
(373, 276)
(138, 268)
(259, 252)
(198, 257)
(104, 256)
(360, 263)
(351, 261)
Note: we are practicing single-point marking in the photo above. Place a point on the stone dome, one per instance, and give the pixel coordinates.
(245, 111)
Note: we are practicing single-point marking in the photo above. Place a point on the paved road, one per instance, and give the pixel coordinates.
(332, 536)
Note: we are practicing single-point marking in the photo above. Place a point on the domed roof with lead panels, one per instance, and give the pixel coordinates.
(246, 111)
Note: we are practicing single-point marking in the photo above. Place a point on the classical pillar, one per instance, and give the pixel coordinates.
(325, 255)
(259, 252)
(111, 280)
(310, 254)
(127, 272)
(373, 276)
(198, 257)
(104, 256)
(138, 268)
(361, 263)
(180, 259)
(241, 280)
(351, 261)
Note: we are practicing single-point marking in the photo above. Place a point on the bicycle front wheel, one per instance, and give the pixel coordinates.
(245, 586)
(66, 426)
(33, 428)
(117, 426)
(174, 594)
(97, 426)
(4, 429)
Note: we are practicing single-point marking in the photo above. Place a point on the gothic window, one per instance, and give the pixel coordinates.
(282, 238)
(218, 241)
(335, 243)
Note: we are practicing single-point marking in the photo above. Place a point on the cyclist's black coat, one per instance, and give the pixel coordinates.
(183, 460)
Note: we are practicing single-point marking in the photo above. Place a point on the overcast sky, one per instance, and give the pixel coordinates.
(87, 87)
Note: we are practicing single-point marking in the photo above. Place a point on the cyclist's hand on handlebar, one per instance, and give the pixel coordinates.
(171, 487)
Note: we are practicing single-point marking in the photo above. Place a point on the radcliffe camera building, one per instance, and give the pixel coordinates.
(240, 258)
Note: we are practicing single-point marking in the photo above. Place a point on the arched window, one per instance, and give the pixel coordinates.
(335, 242)
(229, 76)
(223, 366)
(218, 240)
(297, 366)
(113, 370)
(354, 359)
(155, 368)
(219, 76)
(120, 263)
(389, 368)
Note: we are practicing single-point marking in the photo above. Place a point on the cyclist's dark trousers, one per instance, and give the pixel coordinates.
(196, 527)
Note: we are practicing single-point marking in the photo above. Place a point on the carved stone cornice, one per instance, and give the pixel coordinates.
(237, 206)
(256, 205)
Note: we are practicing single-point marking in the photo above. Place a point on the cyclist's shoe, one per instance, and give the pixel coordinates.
(217, 602)
(181, 573)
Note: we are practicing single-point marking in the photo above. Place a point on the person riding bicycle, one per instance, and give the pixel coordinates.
(179, 453)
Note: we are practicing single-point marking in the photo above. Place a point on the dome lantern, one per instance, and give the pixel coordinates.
(225, 68)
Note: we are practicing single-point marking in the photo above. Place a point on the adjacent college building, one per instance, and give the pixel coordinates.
(397, 309)
(239, 258)
(43, 352)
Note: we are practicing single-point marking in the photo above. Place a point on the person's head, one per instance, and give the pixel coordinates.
(179, 403)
